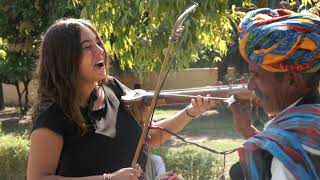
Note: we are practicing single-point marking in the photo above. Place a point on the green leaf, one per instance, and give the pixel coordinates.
(217, 59)
(3, 54)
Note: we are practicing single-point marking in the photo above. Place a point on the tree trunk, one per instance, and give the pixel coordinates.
(26, 95)
(19, 97)
(1, 97)
(261, 3)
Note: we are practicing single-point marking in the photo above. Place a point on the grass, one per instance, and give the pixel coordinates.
(212, 125)
(213, 129)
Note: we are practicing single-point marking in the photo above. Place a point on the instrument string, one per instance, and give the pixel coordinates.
(224, 153)
(227, 152)
(162, 129)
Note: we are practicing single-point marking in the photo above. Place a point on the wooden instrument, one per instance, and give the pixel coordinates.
(182, 96)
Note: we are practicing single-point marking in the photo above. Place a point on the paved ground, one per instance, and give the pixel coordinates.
(10, 114)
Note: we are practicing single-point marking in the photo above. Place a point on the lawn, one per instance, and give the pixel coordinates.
(213, 129)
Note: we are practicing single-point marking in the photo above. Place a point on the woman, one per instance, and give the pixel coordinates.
(79, 127)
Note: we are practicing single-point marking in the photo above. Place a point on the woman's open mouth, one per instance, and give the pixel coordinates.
(99, 64)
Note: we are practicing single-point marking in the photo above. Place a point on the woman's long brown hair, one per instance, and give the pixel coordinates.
(58, 72)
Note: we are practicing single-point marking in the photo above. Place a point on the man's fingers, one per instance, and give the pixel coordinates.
(235, 107)
(240, 106)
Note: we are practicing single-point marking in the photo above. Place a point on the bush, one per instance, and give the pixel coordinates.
(13, 157)
(191, 164)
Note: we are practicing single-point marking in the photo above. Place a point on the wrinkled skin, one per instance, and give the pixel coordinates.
(273, 93)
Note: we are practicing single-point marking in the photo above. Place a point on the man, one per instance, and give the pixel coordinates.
(283, 52)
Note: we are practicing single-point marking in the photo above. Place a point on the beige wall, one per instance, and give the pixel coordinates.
(186, 78)
(10, 94)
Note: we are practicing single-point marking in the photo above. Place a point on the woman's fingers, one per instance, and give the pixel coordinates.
(200, 104)
(138, 170)
(128, 173)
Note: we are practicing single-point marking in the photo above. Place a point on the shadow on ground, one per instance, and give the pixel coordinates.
(9, 121)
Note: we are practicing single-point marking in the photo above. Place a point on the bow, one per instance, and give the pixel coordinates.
(175, 35)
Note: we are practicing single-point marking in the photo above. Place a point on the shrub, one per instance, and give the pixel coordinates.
(13, 157)
(191, 164)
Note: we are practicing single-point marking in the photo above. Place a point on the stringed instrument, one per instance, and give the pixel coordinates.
(183, 96)
(146, 118)
(135, 99)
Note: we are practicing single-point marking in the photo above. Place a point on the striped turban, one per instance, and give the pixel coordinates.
(280, 40)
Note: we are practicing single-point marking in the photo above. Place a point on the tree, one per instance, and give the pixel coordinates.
(21, 27)
(1, 97)
(137, 31)
(2, 56)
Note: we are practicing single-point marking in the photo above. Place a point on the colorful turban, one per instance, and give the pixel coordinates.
(280, 40)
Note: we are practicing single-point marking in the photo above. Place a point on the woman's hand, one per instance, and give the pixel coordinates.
(241, 111)
(200, 105)
(169, 176)
(127, 173)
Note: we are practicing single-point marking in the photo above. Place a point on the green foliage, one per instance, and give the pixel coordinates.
(3, 54)
(137, 32)
(207, 57)
(13, 157)
(191, 164)
(22, 24)
(307, 1)
(187, 162)
(16, 67)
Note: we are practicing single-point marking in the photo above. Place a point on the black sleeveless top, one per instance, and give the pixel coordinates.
(94, 153)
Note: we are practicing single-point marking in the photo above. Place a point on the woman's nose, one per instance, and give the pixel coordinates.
(99, 49)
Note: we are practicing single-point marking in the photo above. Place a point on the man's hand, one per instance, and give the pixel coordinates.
(241, 111)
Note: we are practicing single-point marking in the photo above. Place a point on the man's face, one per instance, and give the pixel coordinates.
(272, 92)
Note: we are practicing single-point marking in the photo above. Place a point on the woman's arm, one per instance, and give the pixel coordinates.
(45, 151)
(177, 122)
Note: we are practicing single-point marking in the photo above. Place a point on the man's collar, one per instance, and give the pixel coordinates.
(279, 114)
(312, 97)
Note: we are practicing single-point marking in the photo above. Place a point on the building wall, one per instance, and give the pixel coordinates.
(10, 94)
(185, 78)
